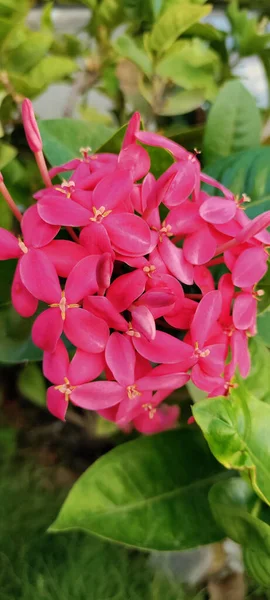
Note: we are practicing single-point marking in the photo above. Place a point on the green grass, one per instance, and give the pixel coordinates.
(39, 566)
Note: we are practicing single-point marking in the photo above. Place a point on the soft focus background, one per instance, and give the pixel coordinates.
(208, 88)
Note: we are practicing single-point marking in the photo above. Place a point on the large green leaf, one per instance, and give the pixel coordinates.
(182, 102)
(30, 52)
(258, 381)
(126, 47)
(233, 505)
(114, 143)
(175, 21)
(246, 172)
(263, 323)
(237, 431)
(233, 124)
(63, 138)
(150, 493)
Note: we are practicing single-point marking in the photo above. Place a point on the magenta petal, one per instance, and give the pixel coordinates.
(112, 190)
(175, 261)
(24, 303)
(47, 329)
(205, 382)
(181, 186)
(205, 317)
(164, 418)
(95, 238)
(143, 321)
(55, 364)
(218, 210)
(82, 280)
(226, 288)
(63, 211)
(39, 276)
(98, 395)
(9, 246)
(56, 403)
(135, 160)
(103, 308)
(256, 226)
(184, 219)
(200, 246)
(125, 289)
(162, 382)
(132, 128)
(240, 352)
(85, 367)
(120, 358)
(163, 349)
(214, 363)
(104, 272)
(160, 141)
(249, 267)
(204, 279)
(36, 232)
(86, 331)
(128, 233)
(244, 311)
(183, 318)
(64, 255)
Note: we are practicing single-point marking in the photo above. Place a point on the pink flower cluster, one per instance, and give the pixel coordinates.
(132, 290)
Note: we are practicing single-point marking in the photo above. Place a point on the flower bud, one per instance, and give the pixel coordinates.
(30, 126)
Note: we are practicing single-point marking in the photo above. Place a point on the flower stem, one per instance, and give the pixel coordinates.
(43, 168)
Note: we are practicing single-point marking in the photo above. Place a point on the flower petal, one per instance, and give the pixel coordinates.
(55, 364)
(218, 210)
(36, 232)
(143, 321)
(160, 141)
(86, 331)
(95, 238)
(63, 211)
(39, 276)
(128, 233)
(85, 367)
(47, 329)
(205, 382)
(56, 403)
(240, 352)
(244, 311)
(125, 289)
(214, 363)
(167, 381)
(112, 189)
(249, 267)
(184, 219)
(205, 317)
(182, 184)
(24, 303)
(82, 280)
(97, 395)
(135, 160)
(176, 262)
(204, 279)
(163, 349)
(132, 128)
(103, 308)
(120, 358)
(200, 246)
(9, 246)
(64, 255)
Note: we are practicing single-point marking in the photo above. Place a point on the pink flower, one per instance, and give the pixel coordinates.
(30, 126)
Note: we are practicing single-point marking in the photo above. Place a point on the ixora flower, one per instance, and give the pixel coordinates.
(134, 289)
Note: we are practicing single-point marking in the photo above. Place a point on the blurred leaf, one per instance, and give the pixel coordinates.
(8, 443)
(63, 138)
(68, 45)
(233, 124)
(91, 114)
(190, 64)
(264, 301)
(104, 428)
(160, 158)
(14, 9)
(138, 493)
(248, 32)
(51, 69)
(16, 345)
(237, 431)
(31, 385)
(246, 172)
(166, 4)
(6, 26)
(46, 17)
(6, 217)
(263, 324)
(206, 32)
(190, 137)
(141, 11)
(127, 48)
(180, 103)
(7, 269)
(30, 52)
(173, 23)
(7, 153)
(233, 504)
(258, 380)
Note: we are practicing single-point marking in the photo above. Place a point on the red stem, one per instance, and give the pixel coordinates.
(43, 168)
(215, 261)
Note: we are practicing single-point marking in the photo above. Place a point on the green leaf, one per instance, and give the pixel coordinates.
(150, 493)
(30, 52)
(31, 385)
(91, 114)
(250, 34)
(51, 69)
(237, 431)
(206, 32)
(127, 48)
(258, 381)
(16, 345)
(7, 270)
(161, 160)
(233, 505)
(63, 138)
(175, 21)
(263, 324)
(190, 64)
(233, 124)
(180, 103)
(7, 153)
(246, 172)
(114, 143)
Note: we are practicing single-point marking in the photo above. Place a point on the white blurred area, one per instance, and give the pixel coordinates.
(52, 103)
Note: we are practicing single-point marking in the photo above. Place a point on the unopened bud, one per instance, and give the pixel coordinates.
(30, 126)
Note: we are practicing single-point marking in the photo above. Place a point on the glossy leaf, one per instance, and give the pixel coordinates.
(182, 102)
(150, 493)
(258, 381)
(127, 48)
(175, 21)
(237, 431)
(246, 172)
(236, 509)
(233, 124)
(63, 138)
(31, 385)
